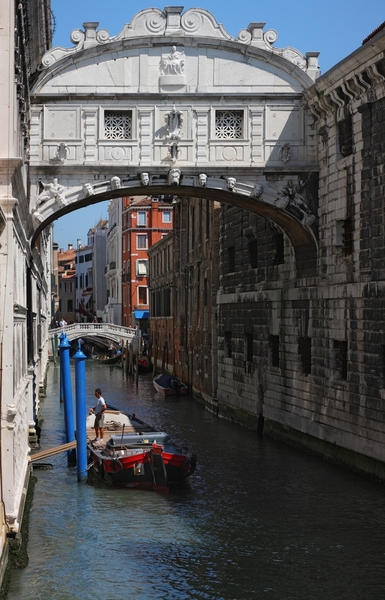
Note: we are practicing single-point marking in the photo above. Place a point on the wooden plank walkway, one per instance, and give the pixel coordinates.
(109, 430)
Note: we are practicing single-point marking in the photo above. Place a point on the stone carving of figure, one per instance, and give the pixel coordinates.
(145, 178)
(174, 121)
(231, 181)
(202, 179)
(174, 176)
(115, 183)
(88, 190)
(257, 191)
(52, 191)
(174, 63)
(290, 195)
(174, 152)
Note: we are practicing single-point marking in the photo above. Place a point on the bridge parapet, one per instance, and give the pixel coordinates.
(101, 330)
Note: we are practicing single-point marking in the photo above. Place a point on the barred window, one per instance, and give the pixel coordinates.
(118, 125)
(345, 134)
(229, 124)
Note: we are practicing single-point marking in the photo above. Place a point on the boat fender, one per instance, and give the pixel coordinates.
(100, 468)
(116, 465)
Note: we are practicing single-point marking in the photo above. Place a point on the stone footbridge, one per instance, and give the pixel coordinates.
(96, 331)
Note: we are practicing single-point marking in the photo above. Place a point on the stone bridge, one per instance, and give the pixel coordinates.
(96, 331)
(174, 105)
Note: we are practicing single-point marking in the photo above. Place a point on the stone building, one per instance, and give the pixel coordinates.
(306, 355)
(25, 292)
(184, 282)
(113, 308)
(67, 284)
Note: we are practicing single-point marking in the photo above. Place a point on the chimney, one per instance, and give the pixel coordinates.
(70, 246)
(79, 242)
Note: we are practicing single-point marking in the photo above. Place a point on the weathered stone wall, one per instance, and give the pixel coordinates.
(317, 369)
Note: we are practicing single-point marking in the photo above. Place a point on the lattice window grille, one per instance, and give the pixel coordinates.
(229, 124)
(118, 125)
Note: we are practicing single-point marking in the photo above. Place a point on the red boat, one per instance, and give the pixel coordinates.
(148, 460)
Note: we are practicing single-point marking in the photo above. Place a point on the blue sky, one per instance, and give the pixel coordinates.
(335, 28)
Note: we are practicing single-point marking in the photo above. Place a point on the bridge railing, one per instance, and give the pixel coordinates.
(101, 329)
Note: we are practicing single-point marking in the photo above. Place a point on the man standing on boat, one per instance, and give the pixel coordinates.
(99, 415)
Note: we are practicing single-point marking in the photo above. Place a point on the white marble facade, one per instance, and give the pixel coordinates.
(172, 90)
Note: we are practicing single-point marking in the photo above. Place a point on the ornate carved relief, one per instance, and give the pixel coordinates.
(284, 153)
(174, 152)
(61, 153)
(174, 176)
(51, 191)
(115, 183)
(172, 68)
(174, 121)
(88, 190)
(202, 180)
(289, 195)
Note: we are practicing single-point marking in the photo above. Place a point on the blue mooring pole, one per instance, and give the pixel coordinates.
(65, 380)
(81, 416)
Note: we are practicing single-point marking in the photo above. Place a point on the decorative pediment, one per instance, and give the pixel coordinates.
(194, 23)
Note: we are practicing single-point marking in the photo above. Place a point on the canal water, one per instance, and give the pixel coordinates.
(258, 519)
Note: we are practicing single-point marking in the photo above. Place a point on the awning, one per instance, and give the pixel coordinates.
(141, 314)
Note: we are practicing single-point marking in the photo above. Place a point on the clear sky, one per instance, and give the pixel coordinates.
(335, 28)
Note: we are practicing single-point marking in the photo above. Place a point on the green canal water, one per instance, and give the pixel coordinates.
(258, 519)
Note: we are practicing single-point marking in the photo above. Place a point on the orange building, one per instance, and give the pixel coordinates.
(145, 220)
(67, 281)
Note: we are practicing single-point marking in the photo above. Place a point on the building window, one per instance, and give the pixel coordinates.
(274, 350)
(228, 344)
(69, 305)
(166, 216)
(231, 257)
(253, 253)
(118, 125)
(249, 347)
(81, 259)
(304, 350)
(345, 136)
(340, 359)
(141, 218)
(347, 236)
(228, 124)
(141, 241)
(142, 295)
(142, 268)
(279, 257)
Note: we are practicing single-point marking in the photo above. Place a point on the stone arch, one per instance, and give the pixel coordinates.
(175, 105)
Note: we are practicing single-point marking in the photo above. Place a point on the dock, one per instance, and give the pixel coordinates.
(111, 428)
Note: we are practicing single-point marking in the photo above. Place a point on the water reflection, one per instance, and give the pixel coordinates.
(257, 519)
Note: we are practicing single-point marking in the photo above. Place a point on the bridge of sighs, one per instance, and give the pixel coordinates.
(175, 105)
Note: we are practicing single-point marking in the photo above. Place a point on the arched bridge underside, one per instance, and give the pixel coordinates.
(174, 105)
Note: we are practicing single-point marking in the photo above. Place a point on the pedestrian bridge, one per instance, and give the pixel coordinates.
(96, 331)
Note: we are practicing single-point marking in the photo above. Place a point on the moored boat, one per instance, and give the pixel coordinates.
(108, 360)
(132, 458)
(167, 385)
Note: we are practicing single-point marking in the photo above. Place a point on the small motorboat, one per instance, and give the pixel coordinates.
(133, 455)
(169, 386)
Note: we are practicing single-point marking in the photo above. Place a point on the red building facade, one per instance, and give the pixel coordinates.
(145, 220)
